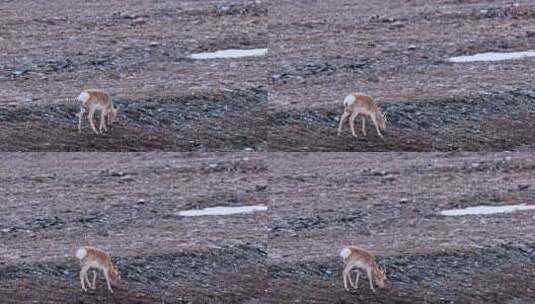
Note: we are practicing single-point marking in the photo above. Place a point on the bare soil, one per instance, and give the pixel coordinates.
(228, 121)
(140, 54)
(54, 203)
(390, 203)
(319, 51)
(397, 52)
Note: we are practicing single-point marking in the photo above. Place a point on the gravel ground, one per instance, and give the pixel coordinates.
(140, 54)
(398, 53)
(54, 203)
(226, 121)
(389, 203)
(231, 123)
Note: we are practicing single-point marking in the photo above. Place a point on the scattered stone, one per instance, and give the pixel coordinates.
(19, 72)
(404, 201)
(523, 187)
(138, 21)
(126, 178)
(387, 19)
(379, 173)
(117, 173)
(397, 24)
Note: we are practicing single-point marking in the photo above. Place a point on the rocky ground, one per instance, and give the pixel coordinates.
(54, 203)
(390, 204)
(226, 121)
(397, 51)
(140, 54)
(319, 51)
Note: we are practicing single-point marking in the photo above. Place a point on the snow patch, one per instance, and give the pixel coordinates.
(223, 210)
(230, 53)
(493, 56)
(477, 210)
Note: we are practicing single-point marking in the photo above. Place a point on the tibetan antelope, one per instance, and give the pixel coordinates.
(358, 103)
(355, 257)
(91, 257)
(92, 100)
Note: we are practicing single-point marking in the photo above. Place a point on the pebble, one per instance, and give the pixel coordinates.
(138, 21)
(19, 72)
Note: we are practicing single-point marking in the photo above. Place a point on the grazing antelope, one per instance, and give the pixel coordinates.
(359, 103)
(92, 100)
(355, 257)
(91, 257)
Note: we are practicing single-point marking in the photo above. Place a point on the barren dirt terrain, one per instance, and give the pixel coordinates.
(397, 52)
(390, 204)
(54, 203)
(232, 123)
(139, 53)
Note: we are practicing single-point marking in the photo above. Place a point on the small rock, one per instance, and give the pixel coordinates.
(387, 19)
(398, 24)
(523, 187)
(154, 44)
(380, 173)
(119, 173)
(412, 47)
(127, 178)
(276, 76)
(19, 72)
(389, 177)
(138, 21)
(404, 201)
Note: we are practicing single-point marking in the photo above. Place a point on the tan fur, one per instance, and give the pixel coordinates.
(365, 105)
(361, 259)
(98, 100)
(97, 259)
